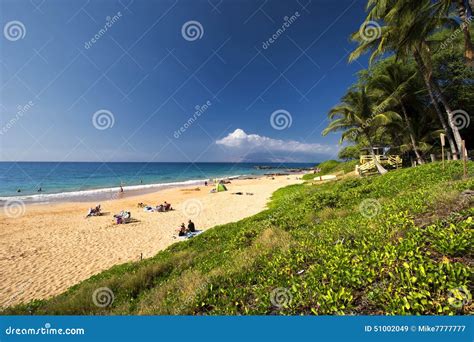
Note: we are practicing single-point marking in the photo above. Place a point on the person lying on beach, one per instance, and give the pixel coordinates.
(94, 211)
(191, 226)
(122, 217)
(182, 230)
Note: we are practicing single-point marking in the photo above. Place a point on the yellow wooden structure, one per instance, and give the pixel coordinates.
(367, 163)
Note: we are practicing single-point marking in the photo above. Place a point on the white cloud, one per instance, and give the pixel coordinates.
(239, 140)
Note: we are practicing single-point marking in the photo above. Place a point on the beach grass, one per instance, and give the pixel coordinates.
(332, 167)
(394, 244)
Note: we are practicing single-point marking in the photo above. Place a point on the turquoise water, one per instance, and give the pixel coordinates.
(62, 181)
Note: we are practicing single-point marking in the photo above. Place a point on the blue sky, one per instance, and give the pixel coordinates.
(132, 94)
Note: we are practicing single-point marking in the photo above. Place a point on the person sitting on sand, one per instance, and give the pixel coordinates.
(167, 206)
(191, 226)
(182, 230)
(160, 208)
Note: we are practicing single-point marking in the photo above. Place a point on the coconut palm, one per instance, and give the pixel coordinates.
(408, 27)
(394, 84)
(356, 117)
(462, 7)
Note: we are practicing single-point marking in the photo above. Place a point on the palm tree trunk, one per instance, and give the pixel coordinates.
(468, 46)
(412, 135)
(452, 123)
(429, 86)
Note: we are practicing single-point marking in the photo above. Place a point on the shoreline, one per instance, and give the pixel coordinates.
(52, 247)
(110, 193)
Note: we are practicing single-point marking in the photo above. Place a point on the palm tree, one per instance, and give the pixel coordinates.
(409, 25)
(462, 7)
(356, 117)
(394, 84)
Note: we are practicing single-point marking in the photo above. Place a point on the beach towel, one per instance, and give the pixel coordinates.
(191, 235)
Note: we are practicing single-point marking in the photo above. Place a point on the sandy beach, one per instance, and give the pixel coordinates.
(53, 246)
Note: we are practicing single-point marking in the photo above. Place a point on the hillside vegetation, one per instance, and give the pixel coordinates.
(394, 244)
(332, 167)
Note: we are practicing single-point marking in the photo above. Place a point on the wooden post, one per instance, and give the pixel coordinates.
(441, 136)
(442, 153)
(464, 157)
(448, 155)
(433, 157)
(141, 256)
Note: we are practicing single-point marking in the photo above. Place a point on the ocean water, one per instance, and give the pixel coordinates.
(84, 181)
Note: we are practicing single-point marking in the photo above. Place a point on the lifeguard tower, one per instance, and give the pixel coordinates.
(380, 153)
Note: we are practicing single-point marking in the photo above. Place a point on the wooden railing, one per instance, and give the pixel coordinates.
(367, 163)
